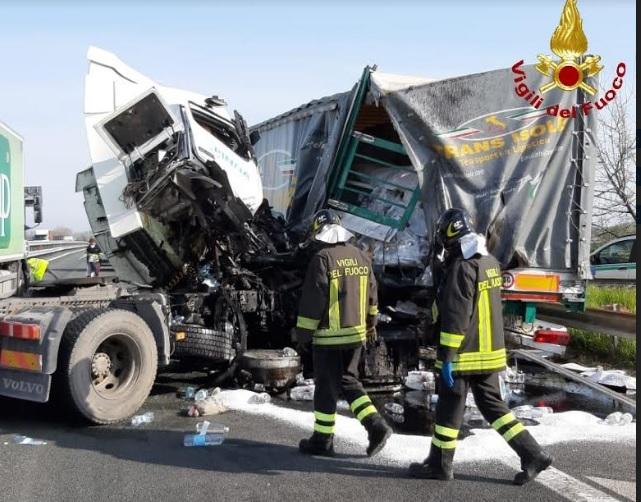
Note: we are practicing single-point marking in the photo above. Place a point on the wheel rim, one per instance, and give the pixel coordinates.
(115, 365)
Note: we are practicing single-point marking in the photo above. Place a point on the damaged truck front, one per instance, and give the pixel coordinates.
(175, 201)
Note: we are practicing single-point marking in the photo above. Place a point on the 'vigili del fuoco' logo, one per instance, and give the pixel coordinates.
(569, 70)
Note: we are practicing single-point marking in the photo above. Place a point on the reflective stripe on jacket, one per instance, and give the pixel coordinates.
(471, 316)
(339, 299)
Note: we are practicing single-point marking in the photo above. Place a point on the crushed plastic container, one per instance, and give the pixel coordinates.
(618, 418)
(20, 439)
(420, 380)
(394, 408)
(260, 398)
(145, 418)
(302, 393)
(528, 411)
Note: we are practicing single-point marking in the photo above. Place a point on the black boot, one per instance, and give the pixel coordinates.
(318, 444)
(378, 432)
(438, 465)
(533, 458)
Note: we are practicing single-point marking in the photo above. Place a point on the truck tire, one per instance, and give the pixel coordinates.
(205, 344)
(107, 364)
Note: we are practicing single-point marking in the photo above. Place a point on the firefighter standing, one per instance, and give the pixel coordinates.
(337, 312)
(471, 352)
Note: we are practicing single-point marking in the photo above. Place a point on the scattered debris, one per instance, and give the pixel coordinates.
(617, 418)
(512, 375)
(261, 398)
(420, 380)
(301, 380)
(579, 368)
(531, 412)
(302, 393)
(188, 392)
(611, 378)
(201, 395)
(207, 435)
(145, 418)
(211, 404)
(394, 408)
(20, 439)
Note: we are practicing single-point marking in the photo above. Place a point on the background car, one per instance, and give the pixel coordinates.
(616, 260)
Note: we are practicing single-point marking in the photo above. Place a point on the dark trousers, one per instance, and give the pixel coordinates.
(336, 374)
(487, 395)
(93, 267)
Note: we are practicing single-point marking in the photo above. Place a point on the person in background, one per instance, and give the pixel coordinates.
(337, 313)
(93, 259)
(471, 351)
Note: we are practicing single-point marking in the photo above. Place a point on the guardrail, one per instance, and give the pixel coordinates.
(621, 399)
(48, 250)
(620, 324)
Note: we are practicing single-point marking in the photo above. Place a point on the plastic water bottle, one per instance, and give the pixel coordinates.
(208, 434)
(145, 418)
(200, 395)
(188, 392)
(209, 439)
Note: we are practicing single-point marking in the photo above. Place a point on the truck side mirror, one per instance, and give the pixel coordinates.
(33, 198)
(593, 259)
(254, 137)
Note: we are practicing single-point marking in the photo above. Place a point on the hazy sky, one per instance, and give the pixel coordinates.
(264, 58)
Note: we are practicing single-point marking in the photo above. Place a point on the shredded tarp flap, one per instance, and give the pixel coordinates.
(294, 155)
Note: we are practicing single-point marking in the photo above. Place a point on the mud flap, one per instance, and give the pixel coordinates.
(23, 385)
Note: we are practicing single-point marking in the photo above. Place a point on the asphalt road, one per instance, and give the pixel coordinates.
(71, 264)
(259, 460)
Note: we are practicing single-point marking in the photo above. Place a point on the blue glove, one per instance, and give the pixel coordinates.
(446, 374)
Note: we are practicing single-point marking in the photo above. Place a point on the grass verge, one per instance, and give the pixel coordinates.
(599, 296)
(602, 348)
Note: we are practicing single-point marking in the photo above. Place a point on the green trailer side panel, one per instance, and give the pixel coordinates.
(11, 195)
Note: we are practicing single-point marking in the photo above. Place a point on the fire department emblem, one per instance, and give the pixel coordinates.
(569, 43)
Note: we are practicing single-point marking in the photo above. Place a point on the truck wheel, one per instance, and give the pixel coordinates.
(107, 366)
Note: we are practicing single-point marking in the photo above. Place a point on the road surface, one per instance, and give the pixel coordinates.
(259, 460)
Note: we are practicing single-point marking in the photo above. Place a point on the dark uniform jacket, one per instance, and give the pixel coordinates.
(93, 253)
(471, 318)
(339, 299)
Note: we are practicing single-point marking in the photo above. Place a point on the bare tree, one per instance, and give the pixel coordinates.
(615, 196)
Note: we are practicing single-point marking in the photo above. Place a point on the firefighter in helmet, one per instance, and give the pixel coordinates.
(337, 313)
(471, 351)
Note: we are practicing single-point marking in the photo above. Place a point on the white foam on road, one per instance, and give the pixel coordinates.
(402, 449)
